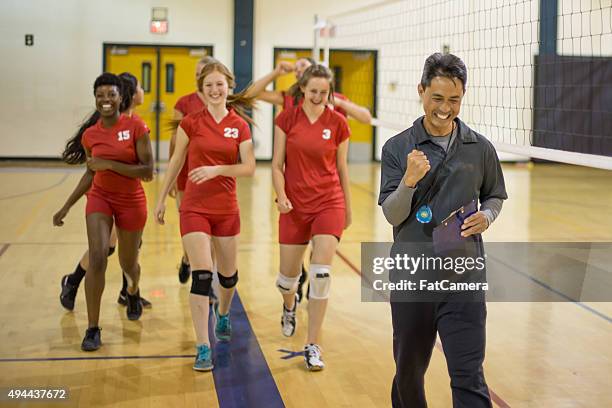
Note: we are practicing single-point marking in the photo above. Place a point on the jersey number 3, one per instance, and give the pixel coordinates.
(326, 134)
(230, 132)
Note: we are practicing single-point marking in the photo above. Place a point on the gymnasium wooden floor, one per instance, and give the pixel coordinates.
(538, 354)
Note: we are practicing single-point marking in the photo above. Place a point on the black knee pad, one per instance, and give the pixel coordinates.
(230, 282)
(111, 250)
(201, 281)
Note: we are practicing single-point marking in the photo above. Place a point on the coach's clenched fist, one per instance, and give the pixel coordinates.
(417, 167)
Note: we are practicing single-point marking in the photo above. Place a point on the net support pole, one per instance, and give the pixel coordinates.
(316, 46)
(548, 27)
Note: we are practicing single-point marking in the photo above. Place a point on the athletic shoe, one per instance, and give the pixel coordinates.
(184, 272)
(203, 360)
(134, 306)
(122, 300)
(92, 340)
(312, 357)
(223, 327)
(68, 293)
(288, 322)
(300, 288)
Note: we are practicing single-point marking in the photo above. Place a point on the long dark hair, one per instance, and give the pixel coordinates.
(74, 153)
(129, 84)
(295, 88)
(313, 71)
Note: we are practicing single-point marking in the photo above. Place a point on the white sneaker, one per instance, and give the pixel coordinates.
(312, 356)
(288, 322)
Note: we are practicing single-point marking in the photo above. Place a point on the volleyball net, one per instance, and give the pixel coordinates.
(539, 71)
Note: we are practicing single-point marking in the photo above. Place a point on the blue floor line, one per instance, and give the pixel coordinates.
(242, 376)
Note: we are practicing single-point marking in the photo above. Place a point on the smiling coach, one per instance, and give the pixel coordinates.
(428, 171)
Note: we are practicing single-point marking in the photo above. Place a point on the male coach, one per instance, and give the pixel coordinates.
(428, 171)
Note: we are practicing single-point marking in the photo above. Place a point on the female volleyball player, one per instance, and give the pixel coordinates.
(292, 97)
(191, 103)
(218, 140)
(310, 176)
(132, 95)
(118, 152)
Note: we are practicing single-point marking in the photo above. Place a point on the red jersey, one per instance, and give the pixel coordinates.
(289, 102)
(312, 183)
(117, 143)
(210, 144)
(189, 104)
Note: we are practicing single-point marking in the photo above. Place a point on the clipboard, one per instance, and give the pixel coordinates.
(447, 239)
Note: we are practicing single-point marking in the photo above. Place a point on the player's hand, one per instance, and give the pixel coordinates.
(97, 164)
(476, 223)
(348, 219)
(58, 217)
(201, 174)
(159, 212)
(148, 179)
(283, 205)
(172, 192)
(417, 166)
(284, 67)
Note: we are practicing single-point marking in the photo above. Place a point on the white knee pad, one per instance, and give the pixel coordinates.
(287, 285)
(320, 281)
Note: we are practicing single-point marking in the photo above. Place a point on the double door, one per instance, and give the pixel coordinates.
(165, 73)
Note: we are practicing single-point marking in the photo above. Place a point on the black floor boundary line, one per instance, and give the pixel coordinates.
(37, 191)
(553, 290)
(40, 359)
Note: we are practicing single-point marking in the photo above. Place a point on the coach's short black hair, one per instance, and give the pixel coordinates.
(444, 65)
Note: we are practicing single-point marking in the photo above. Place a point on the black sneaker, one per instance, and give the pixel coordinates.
(68, 293)
(92, 340)
(300, 288)
(122, 300)
(134, 306)
(184, 271)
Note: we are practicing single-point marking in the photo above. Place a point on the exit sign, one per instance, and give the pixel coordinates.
(159, 27)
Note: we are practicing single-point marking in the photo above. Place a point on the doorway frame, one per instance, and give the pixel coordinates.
(157, 47)
(374, 85)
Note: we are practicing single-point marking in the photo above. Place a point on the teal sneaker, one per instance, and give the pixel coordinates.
(203, 360)
(223, 328)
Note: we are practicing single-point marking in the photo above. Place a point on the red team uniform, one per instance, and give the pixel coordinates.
(112, 193)
(289, 102)
(212, 207)
(312, 183)
(187, 105)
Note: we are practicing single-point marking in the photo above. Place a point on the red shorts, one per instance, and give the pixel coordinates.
(295, 228)
(128, 209)
(181, 179)
(218, 225)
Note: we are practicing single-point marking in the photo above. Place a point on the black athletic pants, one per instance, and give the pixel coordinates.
(462, 331)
